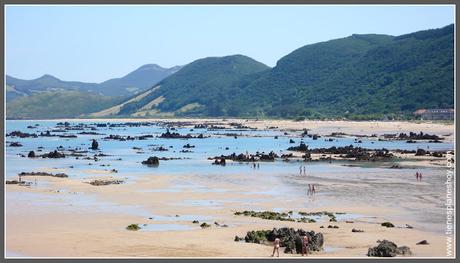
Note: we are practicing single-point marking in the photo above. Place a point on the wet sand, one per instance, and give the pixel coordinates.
(65, 225)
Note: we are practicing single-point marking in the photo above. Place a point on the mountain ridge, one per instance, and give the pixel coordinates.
(135, 81)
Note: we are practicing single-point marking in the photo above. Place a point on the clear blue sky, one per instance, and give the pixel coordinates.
(95, 43)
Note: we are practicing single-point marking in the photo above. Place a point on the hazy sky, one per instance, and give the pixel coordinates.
(95, 43)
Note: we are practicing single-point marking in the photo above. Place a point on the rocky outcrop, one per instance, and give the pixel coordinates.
(54, 154)
(350, 152)
(220, 161)
(60, 175)
(152, 161)
(258, 156)
(418, 136)
(21, 134)
(15, 144)
(301, 148)
(387, 224)
(98, 182)
(290, 238)
(175, 135)
(94, 145)
(423, 242)
(387, 248)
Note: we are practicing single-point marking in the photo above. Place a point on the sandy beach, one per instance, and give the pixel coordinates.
(68, 217)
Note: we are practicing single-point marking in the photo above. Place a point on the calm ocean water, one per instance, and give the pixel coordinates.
(196, 161)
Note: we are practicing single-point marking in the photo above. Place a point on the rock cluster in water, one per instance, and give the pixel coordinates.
(175, 135)
(290, 238)
(258, 156)
(54, 154)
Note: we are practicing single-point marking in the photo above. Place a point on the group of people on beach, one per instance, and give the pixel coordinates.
(418, 176)
(255, 166)
(305, 248)
(302, 168)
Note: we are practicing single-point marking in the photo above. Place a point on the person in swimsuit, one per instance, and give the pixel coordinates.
(304, 172)
(300, 170)
(276, 247)
(309, 189)
(305, 250)
(420, 176)
(313, 191)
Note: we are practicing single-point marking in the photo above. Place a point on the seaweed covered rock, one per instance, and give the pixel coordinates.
(290, 238)
(387, 248)
(133, 227)
(152, 161)
(31, 154)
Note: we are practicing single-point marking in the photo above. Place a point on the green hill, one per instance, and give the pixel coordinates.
(359, 77)
(57, 104)
(205, 87)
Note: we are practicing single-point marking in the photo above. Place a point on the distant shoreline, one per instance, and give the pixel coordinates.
(227, 119)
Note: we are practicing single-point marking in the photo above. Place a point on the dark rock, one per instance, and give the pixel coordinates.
(387, 248)
(423, 242)
(290, 238)
(420, 152)
(60, 175)
(94, 145)
(31, 154)
(291, 141)
(153, 161)
(387, 224)
(205, 225)
(15, 144)
(301, 148)
(133, 227)
(21, 134)
(54, 154)
(220, 161)
(354, 230)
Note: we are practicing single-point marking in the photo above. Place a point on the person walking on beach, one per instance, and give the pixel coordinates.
(304, 170)
(258, 166)
(309, 189)
(313, 191)
(420, 177)
(276, 247)
(300, 170)
(305, 250)
(416, 176)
